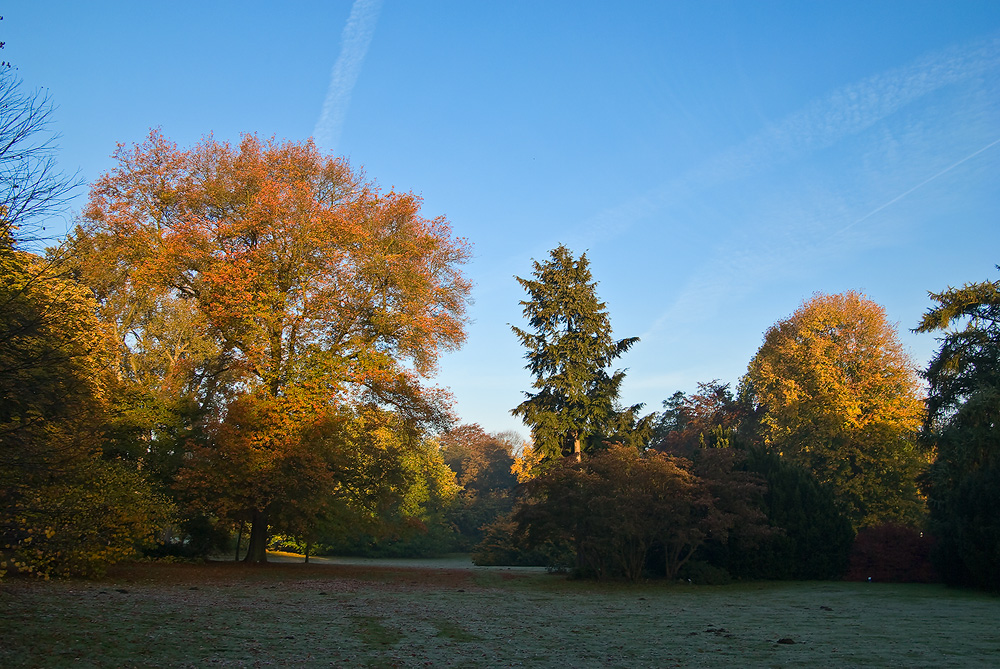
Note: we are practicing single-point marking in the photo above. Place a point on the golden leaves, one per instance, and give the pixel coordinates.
(837, 352)
(840, 395)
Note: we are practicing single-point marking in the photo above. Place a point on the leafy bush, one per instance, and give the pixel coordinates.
(504, 545)
(77, 526)
(617, 505)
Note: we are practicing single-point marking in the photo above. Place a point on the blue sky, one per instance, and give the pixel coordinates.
(719, 161)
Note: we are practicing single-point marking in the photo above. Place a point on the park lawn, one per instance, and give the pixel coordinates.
(295, 615)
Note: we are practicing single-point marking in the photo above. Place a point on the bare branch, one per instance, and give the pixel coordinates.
(31, 186)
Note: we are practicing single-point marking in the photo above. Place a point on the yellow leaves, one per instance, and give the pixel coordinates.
(839, 355)
(840, 396)
(53, 358)
(89, 517)
(526, 463)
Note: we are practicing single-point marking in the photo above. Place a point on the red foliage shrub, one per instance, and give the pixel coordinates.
(892, 553)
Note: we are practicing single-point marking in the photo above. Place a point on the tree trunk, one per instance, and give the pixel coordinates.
(308, 547)
(257, 550)
(239, 540)
(577, 451)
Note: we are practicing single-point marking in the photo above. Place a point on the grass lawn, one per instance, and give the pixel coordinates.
(292, 615)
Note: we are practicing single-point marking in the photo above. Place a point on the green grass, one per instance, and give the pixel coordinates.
(372, 633)
(321, 615)
(451, 630)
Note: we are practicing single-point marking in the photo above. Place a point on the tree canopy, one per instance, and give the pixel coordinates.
(963, 484)
(256, 277)
(839, 395)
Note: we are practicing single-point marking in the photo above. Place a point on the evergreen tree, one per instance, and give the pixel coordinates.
(810, 537)
(569, 348)
(963, 485)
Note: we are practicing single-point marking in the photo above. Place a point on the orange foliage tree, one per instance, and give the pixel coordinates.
(839, 395)
(274, 286)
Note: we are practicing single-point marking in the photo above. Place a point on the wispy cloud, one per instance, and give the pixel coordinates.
(354, 42)
(845, 112)
(757, 255)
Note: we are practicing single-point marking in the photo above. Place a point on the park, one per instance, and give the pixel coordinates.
(598, 347)
(297, 615)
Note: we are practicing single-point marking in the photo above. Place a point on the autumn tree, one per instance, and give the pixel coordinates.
(482, 465)
(266, 273)
(963, 484)
(569, 347)
(63, 509)
(41, 313)
(838, 395)
(51, 349)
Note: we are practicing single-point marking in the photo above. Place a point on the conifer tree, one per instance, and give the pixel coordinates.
(963, 484)
(570, 346)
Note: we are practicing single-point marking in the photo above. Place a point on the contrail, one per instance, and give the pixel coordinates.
(919, 185)
(354, 43)
(845, 112)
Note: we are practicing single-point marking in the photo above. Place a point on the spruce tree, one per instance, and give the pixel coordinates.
(570, 346)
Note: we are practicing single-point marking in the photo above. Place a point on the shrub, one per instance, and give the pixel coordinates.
(892, 553)
(700, 572)
(504, 545)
